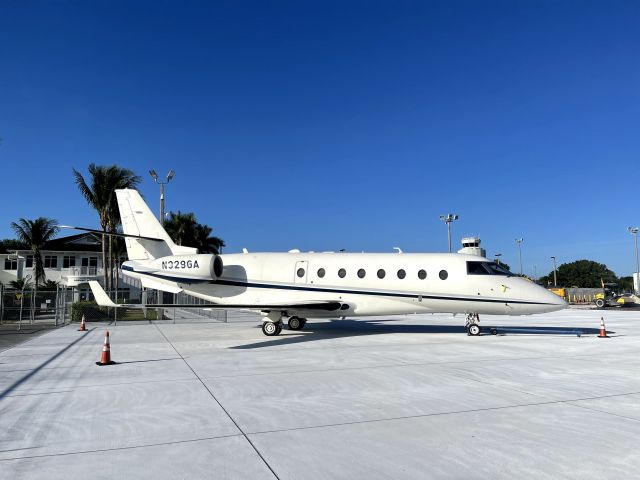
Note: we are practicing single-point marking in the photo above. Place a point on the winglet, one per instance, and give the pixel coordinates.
(100, 295)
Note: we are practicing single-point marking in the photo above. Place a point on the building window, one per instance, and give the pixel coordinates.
(443, 274)
(422, 274)
(50, 261)
(29, 262)
(68, 261)
(321, 272)
(381, 273)
(300, 272)
(10, 264)
(342, 272)
(401, 274)
(361, 273)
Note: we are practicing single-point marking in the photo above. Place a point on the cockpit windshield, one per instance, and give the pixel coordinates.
(487, 268)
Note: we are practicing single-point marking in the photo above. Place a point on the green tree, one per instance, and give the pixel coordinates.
(184, 229)
(581, 273)
(49, 285)
(100, 194)
(34, 234)
(22, 284)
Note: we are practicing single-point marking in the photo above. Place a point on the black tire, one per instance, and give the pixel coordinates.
(600, 303)
(295, 323)
(474, 329)
(271, 329)
(494, 331)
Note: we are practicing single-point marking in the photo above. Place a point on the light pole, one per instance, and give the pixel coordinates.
(154, 175)
(555, 277)
(450, 217)
(498, 255)
(634, 231)
(519, 242)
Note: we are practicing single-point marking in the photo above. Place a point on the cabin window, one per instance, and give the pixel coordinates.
(443, 274)
(401, 274)
(422, 274)
(381, 273)
(361, 273)
(300, 272)
(321, 272)
(342, 272)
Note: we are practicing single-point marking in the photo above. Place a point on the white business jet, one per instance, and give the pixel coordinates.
(296, 285)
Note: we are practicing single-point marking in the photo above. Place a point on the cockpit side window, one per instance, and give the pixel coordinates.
(486, 268)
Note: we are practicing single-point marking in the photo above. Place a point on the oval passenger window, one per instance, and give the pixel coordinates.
(361, 273)
(301, 272)
(381, 273)
(342, 272)
(443, 274)
(401, 274)
(422, 274)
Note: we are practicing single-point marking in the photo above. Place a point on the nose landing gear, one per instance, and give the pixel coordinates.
(472, 321)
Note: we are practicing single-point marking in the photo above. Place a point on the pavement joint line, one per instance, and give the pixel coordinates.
(397, 365)
(120, 384)
(221, 406)
(426, 415)
(593, 409)
(113, 449)
(40, 393)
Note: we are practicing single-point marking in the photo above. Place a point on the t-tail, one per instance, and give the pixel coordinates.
(139, 221)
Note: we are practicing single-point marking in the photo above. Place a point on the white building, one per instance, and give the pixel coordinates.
(71, 261)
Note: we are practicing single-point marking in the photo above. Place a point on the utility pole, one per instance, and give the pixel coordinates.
(519, 242)
(448, 219)
(555, 278)
(636, 276)
(154, 175)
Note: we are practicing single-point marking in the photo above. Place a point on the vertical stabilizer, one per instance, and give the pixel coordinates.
(138, 219)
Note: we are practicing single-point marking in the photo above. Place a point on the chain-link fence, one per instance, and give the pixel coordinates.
(64, 305)
(34, 307)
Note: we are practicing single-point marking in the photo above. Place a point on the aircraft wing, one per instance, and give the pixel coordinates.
(103, 300)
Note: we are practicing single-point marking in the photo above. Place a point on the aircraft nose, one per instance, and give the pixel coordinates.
(556, 301)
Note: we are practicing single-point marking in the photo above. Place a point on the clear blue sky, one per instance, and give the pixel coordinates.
(326, 125)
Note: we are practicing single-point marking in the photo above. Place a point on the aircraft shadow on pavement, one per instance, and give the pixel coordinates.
(353, 328)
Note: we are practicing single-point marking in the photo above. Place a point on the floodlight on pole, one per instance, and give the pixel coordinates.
(634, 231)
(155, 177)
(555, 277)
(450, 217)
(519, 242)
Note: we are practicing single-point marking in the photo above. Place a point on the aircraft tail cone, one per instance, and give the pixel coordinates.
(603, 330)
(105, 358)
(83, 326)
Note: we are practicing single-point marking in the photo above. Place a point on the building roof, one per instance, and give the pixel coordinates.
(82, 242)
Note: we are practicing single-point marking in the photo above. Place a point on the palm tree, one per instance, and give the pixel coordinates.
(100, 194)
(49, 285)
(181, 227)
(35, 233)
(22, 284)
(207, 243)
(184, 229)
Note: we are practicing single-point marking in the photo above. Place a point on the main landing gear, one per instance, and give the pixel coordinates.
(272, 324)
(472, 321)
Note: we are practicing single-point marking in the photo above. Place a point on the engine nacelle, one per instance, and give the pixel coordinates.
(189, 267)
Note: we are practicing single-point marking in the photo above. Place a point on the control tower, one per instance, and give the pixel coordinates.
(471, 246)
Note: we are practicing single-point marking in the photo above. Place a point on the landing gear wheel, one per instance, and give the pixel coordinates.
(296, 323)
(474, 329)
(599, 303)
(494, 331)
(271, 329)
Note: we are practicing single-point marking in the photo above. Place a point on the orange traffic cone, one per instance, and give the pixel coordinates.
(83, 327)
(603, 330)
(105, 358)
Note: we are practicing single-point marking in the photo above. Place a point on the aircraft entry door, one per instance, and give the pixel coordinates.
(301, 272)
